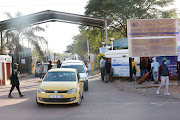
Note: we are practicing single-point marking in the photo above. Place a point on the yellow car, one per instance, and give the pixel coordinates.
(60, 86)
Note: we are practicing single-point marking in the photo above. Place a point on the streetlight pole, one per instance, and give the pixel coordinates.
(47, 41)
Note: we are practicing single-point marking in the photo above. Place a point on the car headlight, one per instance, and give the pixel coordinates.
(41, 90)
(72, 90)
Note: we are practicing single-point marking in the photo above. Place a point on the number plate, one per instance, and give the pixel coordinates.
(55, 96)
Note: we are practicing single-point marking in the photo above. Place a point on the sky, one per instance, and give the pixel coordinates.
(59, 35)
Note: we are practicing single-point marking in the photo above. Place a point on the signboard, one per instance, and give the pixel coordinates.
(52, 57)
(102, 49)
(23, 61)
(121, 66)
(178, 48)
(152, 37)
(5, 59)
(34, 59)
(171, 63)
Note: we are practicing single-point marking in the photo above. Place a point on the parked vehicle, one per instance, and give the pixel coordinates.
(60, 86)
(76, 61)
(81, 69)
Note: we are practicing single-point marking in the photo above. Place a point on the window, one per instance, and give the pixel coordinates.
(79, 68)
(60, 76)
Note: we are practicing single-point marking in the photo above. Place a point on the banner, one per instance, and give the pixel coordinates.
(152, 37)
(171, 63)
(121, 66)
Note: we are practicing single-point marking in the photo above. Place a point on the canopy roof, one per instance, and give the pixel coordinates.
(121, 43)
(52, 16)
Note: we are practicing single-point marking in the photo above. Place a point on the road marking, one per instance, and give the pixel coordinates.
(95, 73)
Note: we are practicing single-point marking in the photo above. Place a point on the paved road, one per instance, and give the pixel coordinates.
(103, 101)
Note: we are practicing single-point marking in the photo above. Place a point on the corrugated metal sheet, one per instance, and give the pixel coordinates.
(121, 43)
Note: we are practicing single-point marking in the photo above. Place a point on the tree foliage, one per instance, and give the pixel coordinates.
(121, 10)
(16, 36)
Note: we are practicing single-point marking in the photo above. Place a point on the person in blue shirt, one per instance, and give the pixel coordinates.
(155, 69)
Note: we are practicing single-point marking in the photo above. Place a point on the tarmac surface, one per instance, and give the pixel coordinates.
(103, 101)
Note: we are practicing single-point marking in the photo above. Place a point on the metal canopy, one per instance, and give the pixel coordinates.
(52, 16)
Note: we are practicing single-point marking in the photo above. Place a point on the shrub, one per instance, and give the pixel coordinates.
(100, 55)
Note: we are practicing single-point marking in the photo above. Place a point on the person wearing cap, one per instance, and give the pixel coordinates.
(155, 69)
(164, 73)
(102, 68)
(58, 64)
(15, 81)
(50, 65)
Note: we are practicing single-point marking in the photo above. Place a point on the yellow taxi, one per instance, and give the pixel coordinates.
(60, 86)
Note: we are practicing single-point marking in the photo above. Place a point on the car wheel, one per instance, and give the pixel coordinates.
(86, 87)
(79, 100)
(82, 95)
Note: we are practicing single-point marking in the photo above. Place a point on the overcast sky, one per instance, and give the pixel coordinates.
(59, 34)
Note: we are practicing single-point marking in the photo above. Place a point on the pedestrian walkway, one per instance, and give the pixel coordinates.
(146, 88)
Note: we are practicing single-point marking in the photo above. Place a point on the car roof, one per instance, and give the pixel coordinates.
(71, 64)
(63, 69)
(72, 61)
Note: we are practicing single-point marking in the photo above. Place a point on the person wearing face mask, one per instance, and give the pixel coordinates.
(164, 77)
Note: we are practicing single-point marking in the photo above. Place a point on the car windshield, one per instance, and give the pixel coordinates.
(80, 68)
(60, 76)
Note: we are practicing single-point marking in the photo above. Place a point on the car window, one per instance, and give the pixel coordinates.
(79, 68)
(60, 76)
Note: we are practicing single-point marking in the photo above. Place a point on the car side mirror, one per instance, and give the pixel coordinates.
(81, 80)
(40, 80)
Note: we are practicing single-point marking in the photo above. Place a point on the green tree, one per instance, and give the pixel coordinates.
(17, 35)
(70, 48)
(121, 10)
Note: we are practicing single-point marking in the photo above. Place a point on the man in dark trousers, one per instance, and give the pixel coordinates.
(50, 65)
(15, 81)
(164, 77)
(107, 68)
(102, 68)
(143, 67)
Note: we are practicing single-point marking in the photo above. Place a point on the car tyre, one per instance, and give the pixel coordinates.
(86, 87)
(82, 95)
(79, 100)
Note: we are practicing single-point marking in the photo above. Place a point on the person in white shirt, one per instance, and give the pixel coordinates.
(155, 70)
(102, 68)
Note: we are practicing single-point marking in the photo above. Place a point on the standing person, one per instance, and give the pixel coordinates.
(41, 70)
(15, 81)
(164, 77)
(107, 69)
(149, 70)
(50, 65)
(58, 64)
(134, 69)
(155, 69)
(143, 67)
(102, 68)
